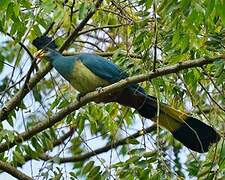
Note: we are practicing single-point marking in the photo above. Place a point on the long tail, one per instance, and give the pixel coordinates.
(190, 131)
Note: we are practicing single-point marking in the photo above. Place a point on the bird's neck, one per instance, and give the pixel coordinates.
(64, 65)
(53, 56)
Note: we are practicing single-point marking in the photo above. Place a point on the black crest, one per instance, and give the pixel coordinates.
(43, 42)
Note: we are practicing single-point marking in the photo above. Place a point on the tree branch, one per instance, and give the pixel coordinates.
(92, 44)
(107, 54)
(99, 39)
(13, 171)
(15, 101)
(103, 27)
(104, 91)
(103, 149)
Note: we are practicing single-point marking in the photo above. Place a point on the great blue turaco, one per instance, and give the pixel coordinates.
(87, 72)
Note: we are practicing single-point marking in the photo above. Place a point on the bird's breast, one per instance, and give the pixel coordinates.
(85, 80)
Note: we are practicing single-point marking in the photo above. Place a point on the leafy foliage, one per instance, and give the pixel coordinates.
(128, 33)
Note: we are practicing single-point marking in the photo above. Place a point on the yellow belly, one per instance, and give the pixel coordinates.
(84, 80)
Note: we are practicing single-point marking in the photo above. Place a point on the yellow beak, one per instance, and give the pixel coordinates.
(40, 54)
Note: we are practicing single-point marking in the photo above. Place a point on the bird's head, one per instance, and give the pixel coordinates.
(43, 42)
(47, 53)
(46, 46)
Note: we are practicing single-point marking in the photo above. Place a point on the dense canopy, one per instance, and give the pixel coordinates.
(173, 49)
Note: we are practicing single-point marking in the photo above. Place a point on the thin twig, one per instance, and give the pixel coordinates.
(156, 36)
(92, 44)
(103, 27)
(209, 95)
(49, 28)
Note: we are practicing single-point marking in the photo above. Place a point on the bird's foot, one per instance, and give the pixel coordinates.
(79, 96)
(99, 89)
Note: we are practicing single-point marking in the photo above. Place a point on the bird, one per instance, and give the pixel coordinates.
(88, 72)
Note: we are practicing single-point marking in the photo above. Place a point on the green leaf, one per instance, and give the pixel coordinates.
(88, 167)
(20, 31)
(2, 24)
(176, 37)
(81, 125)
(222, 165)
(37, 95)
(148, 4)
(11, 115)
(18, 157)
(193, 167)
(133, 159)
(150, 154)
(22, 105)
(2, 59)
(210, 6)
(55, 103)
(82, 10)
(36, 144)
(26, 3)
(4, 4)
(13, 28)
(133, 141)
(10, 10)
(30, 152)
(156, 176)
(1, 126)
(72, 174)
(47, 143)
(222, 14)
(11, 136)
(136, 151)
(63, 103)
(205, 170)
(145, 174)
(53, 133)
(94, 171)
(219, 69)
(16, 8)
(48, 6)
(119, 164)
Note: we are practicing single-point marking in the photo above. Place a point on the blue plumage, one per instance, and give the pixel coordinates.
(72, 68)
(102, 67)
(86, 72)
(106, 70)
(58, 61)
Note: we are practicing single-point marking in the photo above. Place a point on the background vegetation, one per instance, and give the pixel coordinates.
(46, 133)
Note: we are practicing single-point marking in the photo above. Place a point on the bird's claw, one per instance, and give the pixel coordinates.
(99, 89)
(79, 96)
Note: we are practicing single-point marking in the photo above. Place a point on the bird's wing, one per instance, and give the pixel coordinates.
(106, 69)
(102, 68)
